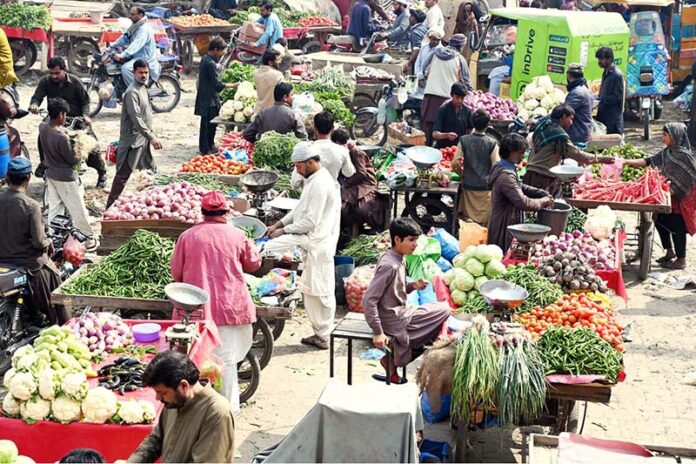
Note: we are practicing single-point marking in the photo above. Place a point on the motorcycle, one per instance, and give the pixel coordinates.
(370, 125)
(236, 52)
(16, 328)
(105, 85)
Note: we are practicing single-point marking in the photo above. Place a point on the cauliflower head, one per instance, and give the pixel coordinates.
(529, 91)
(49, 383)
(99, 405)
(8, 377)
(245, 90)
(540, 111)
(545, 83)
(149, 412)
(75, 385)
(65, 409)
(26, 363)
(238, 105)
(529, 105)
(547, 102)
(539, 93)
(227, 110)
(239, 117)
(10, 406)
(20, 353)
(558, 95)
(36, 409)
(23, 386)
(130, 412)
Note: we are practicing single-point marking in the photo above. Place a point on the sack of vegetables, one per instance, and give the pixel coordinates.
(356, 285)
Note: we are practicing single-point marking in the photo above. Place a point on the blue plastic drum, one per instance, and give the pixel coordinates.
(4, 152)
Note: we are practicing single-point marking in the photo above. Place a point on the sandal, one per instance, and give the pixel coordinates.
(395, 379)
(673, 265)
(665, 259)
(316, 342)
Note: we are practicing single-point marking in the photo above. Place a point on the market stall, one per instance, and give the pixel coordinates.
(185, 30)
(113, 440)
(25, 26)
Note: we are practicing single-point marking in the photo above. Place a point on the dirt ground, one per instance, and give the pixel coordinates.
(653, 405)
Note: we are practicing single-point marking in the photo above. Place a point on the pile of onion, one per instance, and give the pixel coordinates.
(600, 255)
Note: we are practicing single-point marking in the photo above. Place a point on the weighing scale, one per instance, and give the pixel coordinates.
(425, 158)
(567, 175)
(526, 236)
(259, 183)
(503, 296)
(189, 298)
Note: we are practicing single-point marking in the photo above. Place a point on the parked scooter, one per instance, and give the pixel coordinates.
(106, 86)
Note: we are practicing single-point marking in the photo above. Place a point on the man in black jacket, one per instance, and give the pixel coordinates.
(208, 96)
(611, 93)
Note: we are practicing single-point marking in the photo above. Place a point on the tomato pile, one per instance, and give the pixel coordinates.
(447, 157)
(313, 21)
(212, 164)
(234, 140)
(573, 310)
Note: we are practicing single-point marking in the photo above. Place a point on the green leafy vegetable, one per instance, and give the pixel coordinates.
(273, 151)
(366, 249)
(236, 72)
(25, 16)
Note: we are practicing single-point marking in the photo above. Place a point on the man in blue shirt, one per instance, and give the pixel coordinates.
(270, 20)
(140, 42)
(360, 27)
(415, 37)
(398, 32)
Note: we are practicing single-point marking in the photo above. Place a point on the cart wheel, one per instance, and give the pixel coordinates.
(311, 47)
(361, 100)
(249, 377)
(367, 131)
(187, 56)
(429, 212)
(262, 346)
(23, 54)
(646, 124)
(277, 326)
(80, 55)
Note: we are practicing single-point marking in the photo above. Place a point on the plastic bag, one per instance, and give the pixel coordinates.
(598, 128)
(449, 245)
(443, 264)
(412, 299)
(613, 170)
(276, 281)
(427, 295)
(428, 248)
(110, 153)
(431, 416)
(212, 370)
(356, 285)
(74, 251)
(442, 291)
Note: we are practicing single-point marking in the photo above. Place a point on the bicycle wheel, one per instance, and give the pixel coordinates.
(262, 345)
(248, 377)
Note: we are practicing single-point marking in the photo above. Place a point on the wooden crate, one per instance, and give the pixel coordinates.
(413, 139)
(116, 233)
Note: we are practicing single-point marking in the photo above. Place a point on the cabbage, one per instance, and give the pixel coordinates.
(548, 102)
(531, 104)
(474, 267)
(449, 277)
(459, 297)
(472, 295)
(494, 269)
(470, 252)
(496, 252)
(464, 281)
(8, 452)
(480, 281)
(459, 260)
(482, 254)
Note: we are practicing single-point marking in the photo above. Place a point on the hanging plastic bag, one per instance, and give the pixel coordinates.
(428, 248)
(356, 286)
(444, 265)
(449, 245)
(74, 251)
(598, 128)
(110, 153)
(613, 170)
(427, 295)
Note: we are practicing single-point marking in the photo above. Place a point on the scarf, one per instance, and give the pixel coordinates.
(134, 28)
(576, 83)
(677, 162)
(548, 130)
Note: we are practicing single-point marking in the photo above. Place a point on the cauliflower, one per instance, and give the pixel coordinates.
(49, 383)
(539, 93)
(540, 111)
(20, 353)
(558, 95)
(547, 102)
(34, 410)
(529, 91)
(8, 376)
(248, 112)
(531, 104)
(545, 83)
(75, 385)
(130, 412)
(24, 460)
(238, 105)
(27, 362)
(22, 386)
(99, 405)
(239, 117)
(149, 412)
(227, 110)
(523, 114)
(65, 409)
(10, 406)
(245, 90)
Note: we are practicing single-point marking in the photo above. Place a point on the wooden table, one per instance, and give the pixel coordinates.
(228, 125)
(423, 204)
(646, 227)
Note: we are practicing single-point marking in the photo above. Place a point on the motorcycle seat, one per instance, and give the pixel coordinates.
(113, 69)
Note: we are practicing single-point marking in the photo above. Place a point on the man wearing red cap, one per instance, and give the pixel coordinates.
(214, 256)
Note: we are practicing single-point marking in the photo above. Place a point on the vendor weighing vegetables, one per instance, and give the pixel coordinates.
(676, 162)
(453, 119)
(509, 196)
(552, 145)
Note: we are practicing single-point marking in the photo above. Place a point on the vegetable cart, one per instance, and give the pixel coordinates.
(24, 52)
(429, 207)
(561, 402)
(47, 441)
(645, 227)
(184, 36)
(116, 233)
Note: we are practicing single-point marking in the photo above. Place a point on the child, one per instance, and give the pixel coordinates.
(478, 153)
(386, 312)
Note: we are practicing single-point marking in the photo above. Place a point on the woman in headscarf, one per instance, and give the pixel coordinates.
(676, 162)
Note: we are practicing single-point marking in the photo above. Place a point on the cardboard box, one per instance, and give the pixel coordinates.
(250, 33)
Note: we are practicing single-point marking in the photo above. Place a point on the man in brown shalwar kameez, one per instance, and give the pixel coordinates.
(196, 424)
(386, 312)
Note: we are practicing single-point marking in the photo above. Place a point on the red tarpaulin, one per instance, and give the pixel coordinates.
(49, 441)
(36, 35)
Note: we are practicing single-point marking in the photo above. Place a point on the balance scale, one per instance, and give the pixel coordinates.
(568, 175)
(190, 298)
(258, 183)
(503, 296)
(425, 159)
(526, 236)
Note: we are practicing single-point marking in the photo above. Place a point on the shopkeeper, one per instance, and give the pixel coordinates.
(280, 117)
(453, 119)
(214, 256)
(552, 145)
(196, 424)
(676, 162)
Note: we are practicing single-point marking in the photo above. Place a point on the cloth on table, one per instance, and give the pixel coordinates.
(236, 343)
(354, 423)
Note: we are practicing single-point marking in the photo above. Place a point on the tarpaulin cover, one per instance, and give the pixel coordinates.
(49, 441)
(354, 423)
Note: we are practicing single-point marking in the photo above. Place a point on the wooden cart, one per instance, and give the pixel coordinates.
(183, 40)
(561, 402)
(646, 228)
(116, 233)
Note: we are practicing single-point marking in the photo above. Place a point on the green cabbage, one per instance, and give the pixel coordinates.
(459, 297)
(474, 267)
(449, 277)
(473, 294)
(494, 269)
(464, 281)
(496, 252)
(459, 260)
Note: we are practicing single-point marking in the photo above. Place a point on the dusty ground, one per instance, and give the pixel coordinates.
(652, 406)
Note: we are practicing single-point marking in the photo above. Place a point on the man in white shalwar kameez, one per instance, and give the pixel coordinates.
(313, 226)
